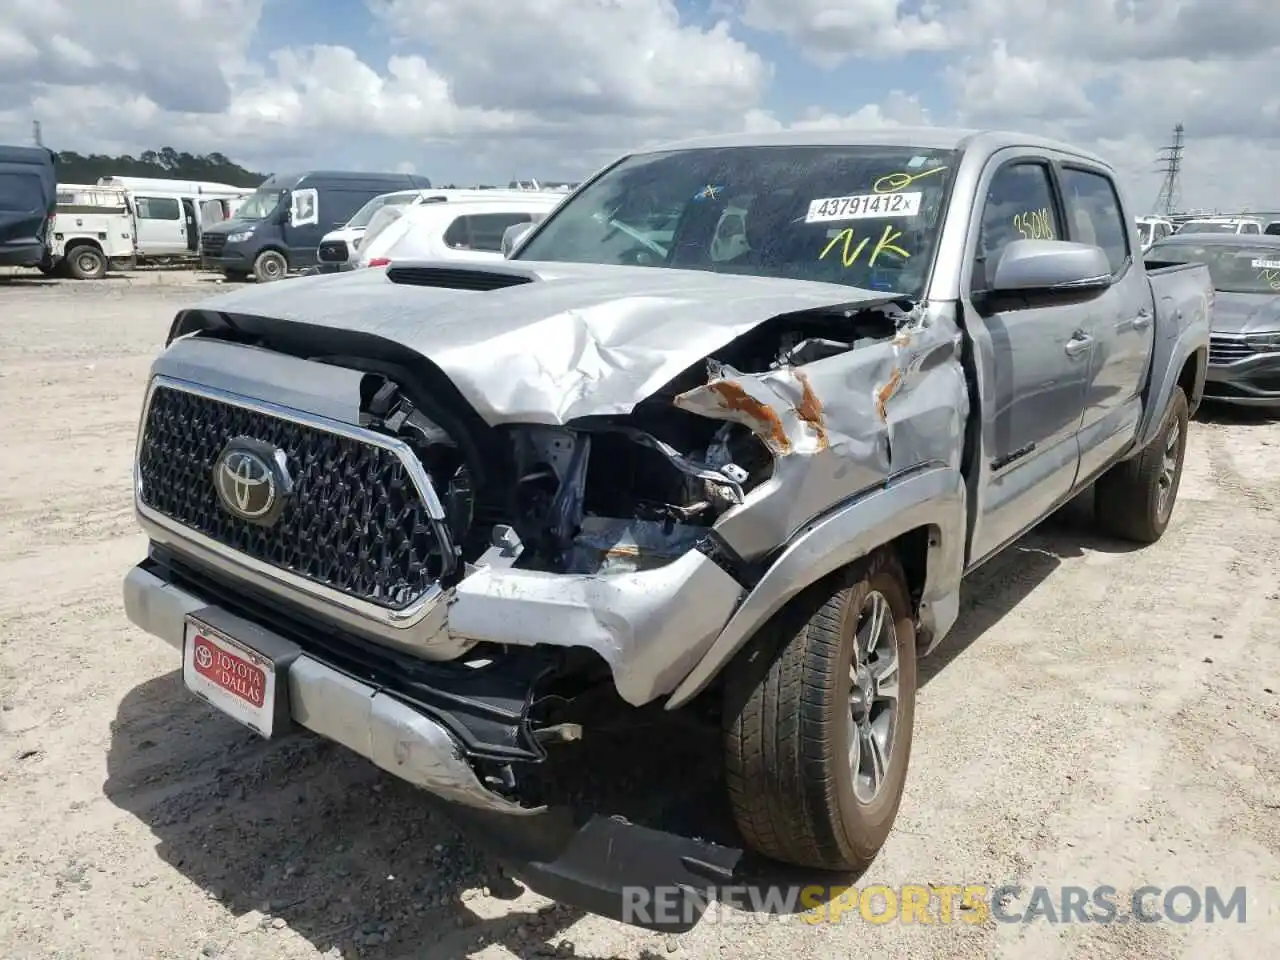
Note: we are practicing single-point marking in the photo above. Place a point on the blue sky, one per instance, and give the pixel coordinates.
(798, 84)
(486, 90)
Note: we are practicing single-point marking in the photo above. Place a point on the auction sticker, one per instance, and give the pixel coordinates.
(864, 206)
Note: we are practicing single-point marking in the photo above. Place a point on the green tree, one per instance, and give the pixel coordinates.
(165, 162)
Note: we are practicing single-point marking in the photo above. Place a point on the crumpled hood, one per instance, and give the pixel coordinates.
(578, 340)
(1246, 313)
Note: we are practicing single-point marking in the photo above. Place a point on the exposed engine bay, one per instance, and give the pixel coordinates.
(614, 494)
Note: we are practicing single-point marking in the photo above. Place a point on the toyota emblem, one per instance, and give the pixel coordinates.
(251, 481)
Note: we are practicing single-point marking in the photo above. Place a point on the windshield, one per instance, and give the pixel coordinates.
(865, 216)
(1208, 228)
(1234, 268)
(260, 204)
(365, 213)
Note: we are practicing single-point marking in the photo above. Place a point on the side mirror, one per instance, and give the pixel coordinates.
(512, 236)
(1051, 266)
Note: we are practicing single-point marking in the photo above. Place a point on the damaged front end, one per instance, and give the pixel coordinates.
(510, 577)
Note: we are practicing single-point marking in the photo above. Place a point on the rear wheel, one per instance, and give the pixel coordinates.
(1134, 499)
(817, 734)
(270, 265)
(86, 263)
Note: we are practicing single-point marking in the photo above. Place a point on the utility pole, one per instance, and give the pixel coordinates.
(35, 133)
(1170, 196)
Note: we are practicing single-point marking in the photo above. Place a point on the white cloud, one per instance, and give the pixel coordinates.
(560, 86)
(899, 110)
(830, 31)
(576, 58)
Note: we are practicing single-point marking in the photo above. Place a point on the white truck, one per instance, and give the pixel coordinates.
(92, 230)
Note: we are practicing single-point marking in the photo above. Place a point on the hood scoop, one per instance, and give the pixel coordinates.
(458, 278)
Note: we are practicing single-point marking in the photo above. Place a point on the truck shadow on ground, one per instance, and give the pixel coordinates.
(1232, 414)
(299, 833)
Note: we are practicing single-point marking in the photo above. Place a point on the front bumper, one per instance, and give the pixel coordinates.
(595, 864)
(229, 260)
(1253, 381)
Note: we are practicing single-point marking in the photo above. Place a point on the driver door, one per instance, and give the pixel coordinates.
(1033, 364)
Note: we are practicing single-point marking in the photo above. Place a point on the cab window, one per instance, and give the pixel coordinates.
(1019, 206)
(1094, 209)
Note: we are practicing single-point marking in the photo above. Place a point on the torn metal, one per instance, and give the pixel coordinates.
(654, 409)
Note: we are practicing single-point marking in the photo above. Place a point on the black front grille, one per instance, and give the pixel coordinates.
(455, 278)
(212, 244)
(333, 251)
(354, 522)
(1228, 350)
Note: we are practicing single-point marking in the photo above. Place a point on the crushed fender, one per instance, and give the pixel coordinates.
(780, 407)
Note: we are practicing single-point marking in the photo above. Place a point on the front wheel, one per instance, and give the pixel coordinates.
(1134, 499)
(270, 265)
(817, 734)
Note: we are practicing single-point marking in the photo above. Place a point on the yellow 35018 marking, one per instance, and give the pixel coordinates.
(849, 253)
(1035, 224)
(893, 182)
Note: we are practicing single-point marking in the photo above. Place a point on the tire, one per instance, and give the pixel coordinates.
(787, 724)
(270, 265)
(1134, 499)
(86, 263)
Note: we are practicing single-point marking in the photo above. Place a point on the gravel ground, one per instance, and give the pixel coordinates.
(1099, 716)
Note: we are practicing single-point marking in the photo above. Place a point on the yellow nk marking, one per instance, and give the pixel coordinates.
(893, 182)
(849, 254)
(1271, 278)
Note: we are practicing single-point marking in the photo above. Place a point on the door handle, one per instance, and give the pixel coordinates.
(1142, 320)
(1078, 344)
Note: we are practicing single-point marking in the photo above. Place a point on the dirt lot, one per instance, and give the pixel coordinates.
(1098, 717)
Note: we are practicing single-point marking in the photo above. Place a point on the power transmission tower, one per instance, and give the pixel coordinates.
(1170, 196)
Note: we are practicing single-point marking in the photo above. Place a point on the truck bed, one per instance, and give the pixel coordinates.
(1181, 286)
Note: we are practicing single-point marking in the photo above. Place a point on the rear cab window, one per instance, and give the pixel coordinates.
(1093, 208)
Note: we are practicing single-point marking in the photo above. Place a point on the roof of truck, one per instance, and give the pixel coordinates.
(928, 138)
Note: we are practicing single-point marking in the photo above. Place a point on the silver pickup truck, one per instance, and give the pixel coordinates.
(722, 435)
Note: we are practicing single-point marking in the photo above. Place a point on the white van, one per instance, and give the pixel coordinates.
(455, 230)
(341, 246)
(170, 215)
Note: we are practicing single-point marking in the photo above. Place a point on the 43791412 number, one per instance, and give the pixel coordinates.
(863, 206)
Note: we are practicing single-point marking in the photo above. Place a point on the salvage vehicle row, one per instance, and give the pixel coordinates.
(722, 435)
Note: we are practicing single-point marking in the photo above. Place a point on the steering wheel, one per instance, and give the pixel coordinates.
(640, 257)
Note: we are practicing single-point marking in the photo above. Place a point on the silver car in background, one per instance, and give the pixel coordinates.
(1244, 345)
